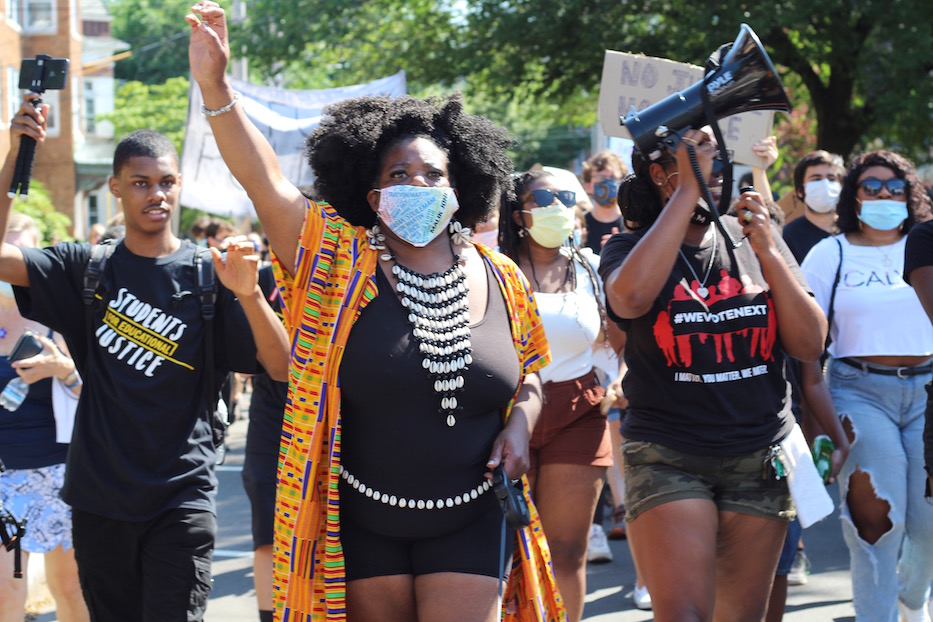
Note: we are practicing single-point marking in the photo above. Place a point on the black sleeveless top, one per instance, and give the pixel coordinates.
(395, 440)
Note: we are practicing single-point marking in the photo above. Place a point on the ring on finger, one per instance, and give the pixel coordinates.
(748, 216)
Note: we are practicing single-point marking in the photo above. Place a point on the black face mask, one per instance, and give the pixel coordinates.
(701, 216)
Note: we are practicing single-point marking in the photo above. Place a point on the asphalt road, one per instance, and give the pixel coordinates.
(827, 596)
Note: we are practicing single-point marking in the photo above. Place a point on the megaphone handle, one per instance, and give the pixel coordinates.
(708, 196)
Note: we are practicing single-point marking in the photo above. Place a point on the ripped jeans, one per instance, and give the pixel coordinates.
(887, 416)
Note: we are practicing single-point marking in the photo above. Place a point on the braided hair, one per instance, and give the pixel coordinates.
(513, 241)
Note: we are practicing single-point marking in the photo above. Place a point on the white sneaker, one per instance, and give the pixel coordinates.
(913, 615)
(598, 549)
(799, 570)
(641, 597)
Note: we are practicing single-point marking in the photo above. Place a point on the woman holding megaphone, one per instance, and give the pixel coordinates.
(707, 500)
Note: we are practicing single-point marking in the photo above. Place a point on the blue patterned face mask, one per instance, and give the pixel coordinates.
(606, 192)
(416, 214)
(883, 214)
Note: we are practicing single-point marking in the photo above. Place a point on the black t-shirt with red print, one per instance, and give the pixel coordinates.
(705, 363)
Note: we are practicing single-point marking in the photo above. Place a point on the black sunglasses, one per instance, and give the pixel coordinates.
(544, 198)
(872, 187)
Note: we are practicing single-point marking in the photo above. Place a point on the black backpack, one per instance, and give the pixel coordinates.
(206, 294)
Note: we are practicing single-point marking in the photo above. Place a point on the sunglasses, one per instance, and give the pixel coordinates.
(872, 187)
(544, 198)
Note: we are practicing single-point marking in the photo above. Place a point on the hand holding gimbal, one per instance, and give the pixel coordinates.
(36, 75)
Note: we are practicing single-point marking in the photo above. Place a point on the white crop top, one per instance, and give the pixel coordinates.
(571, 325)
(875, 312)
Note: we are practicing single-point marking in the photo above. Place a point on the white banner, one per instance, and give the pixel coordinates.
(284, 117)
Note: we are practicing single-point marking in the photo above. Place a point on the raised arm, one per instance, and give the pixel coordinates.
(29, 121)
(248, 155)
(801, 321)
(239, 272)
(632, 287)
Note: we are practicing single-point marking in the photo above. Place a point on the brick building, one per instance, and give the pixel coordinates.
(69, 163)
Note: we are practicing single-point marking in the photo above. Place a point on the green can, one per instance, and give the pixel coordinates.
(823, 456)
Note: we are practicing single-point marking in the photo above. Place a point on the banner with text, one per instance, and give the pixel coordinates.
(637, 81)
(284, 117)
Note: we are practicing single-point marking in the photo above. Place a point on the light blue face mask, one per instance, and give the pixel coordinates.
(417, 214)
(6, 289)
(883, 214)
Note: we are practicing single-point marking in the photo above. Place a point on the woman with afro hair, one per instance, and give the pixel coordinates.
(414, 359)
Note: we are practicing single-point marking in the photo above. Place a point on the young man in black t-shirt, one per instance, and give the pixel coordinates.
(140, 470)
(817, 182)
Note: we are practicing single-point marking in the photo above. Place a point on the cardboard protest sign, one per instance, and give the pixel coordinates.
(635, 80)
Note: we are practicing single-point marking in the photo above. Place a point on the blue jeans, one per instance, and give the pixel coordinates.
(886, 413)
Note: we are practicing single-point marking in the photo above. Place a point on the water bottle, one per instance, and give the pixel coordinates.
(823, 456)
(14, 393)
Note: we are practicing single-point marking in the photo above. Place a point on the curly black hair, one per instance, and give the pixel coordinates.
(346, 151)
(917, 199)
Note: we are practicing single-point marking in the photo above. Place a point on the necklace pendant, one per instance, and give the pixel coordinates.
(451, 421)
(887, 262)
(703, 292)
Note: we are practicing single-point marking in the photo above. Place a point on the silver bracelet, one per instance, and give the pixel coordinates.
(220, 111)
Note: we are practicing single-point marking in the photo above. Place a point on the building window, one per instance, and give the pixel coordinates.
(93, 212)
(13, 93)
(53, 128)
(12, 10)
(39, 17)
(90, 112)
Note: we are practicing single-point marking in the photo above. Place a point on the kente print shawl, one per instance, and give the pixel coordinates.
(334, 279)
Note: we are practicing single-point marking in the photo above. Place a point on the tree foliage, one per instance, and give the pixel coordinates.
(53, 225)
(860, 70)
(160, 107)
(158, 34)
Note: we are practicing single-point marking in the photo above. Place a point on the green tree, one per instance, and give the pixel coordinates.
(860, 69)
(53, 225)
(159, 37)
(160, 107)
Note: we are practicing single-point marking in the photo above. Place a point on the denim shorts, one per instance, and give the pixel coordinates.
(655, 474)
(33, 494)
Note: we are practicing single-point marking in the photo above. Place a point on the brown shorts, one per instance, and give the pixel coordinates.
(571, 428)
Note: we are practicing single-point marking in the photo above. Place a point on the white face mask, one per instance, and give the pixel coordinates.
(821, 195)
(417, 214)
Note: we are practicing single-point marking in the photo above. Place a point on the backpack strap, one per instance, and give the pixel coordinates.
(95, 269)
(206, 292)
(832, 297)
(93, 272)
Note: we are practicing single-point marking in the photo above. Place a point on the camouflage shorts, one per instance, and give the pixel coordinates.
(655, 474)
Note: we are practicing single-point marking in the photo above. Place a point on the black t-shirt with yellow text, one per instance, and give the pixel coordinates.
(142, 444)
